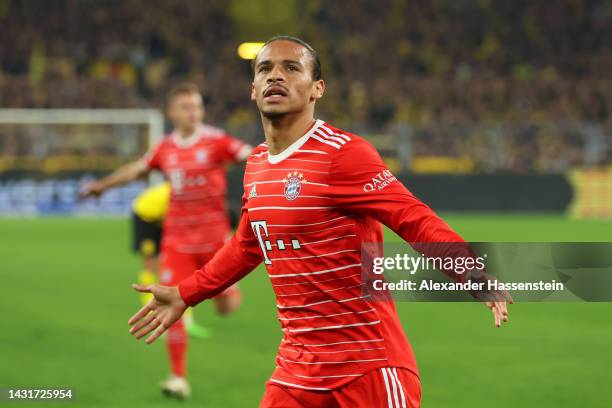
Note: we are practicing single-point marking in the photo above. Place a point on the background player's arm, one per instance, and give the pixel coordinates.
(239, 256)
(126, 173)
(235, 150)
(368, 188)
(122, 175)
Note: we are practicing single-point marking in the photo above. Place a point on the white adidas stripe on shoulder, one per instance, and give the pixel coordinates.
(331, 138)
(331, 132)
(327, 142)
(326, 135)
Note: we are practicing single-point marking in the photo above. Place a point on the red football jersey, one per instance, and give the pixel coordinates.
(196, 221)
(306, 212)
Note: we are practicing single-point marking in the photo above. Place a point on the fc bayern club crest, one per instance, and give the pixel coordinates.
(201, 156)
(293, 185)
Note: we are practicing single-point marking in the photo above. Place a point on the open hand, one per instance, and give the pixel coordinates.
(93, 189)
(159, 314)
(500, 311)
(496, 300)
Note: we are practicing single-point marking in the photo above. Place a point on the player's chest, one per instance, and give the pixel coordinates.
(287, 193)
(191, 167)
(196, 157)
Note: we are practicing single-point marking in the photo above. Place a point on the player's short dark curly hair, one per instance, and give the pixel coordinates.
(316, 62)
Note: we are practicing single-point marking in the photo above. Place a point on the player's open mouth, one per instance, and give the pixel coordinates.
(275, 92)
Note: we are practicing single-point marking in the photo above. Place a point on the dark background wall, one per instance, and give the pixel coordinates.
(481, 192)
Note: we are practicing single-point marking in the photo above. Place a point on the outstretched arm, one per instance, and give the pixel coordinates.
(239, 256)
(368, 188)
(122, 175)
(232, 262)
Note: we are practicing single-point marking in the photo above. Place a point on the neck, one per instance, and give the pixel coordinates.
(185, 132)
(281, 132)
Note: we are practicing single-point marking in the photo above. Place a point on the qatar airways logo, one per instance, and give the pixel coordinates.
(380, 181)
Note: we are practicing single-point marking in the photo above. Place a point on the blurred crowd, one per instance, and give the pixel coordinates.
(389, 64)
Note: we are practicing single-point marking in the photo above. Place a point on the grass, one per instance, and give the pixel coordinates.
(66, 299)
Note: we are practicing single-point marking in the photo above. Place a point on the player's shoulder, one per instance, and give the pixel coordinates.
(336, 141)
(259, 151)
(167, 140)
(165, 143)
(212, 132)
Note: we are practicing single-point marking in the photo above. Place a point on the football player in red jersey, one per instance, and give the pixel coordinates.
(313, 194)
(193, 158)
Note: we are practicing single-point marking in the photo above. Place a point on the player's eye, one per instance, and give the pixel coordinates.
(293, 68)
(264, 69)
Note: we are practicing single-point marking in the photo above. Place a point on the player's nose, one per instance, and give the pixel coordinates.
(275, 75)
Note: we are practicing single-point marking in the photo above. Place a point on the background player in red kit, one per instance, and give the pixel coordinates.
(193, 158)
(307, 209)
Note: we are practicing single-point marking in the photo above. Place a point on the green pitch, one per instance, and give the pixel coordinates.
(65, 302)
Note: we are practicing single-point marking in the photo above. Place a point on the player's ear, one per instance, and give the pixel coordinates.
(201, 103)
(318, 89)
(170, 110)
(253, 91)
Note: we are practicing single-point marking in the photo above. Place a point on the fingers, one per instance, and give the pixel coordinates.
(496, 316)
(140, 314)
(84, 191)
(142, 323)
(500, 312)
(504, 311)
(142, 288)
(148, 329)
(167, 307)
(162, 328)
(88, 191)
(493, 309)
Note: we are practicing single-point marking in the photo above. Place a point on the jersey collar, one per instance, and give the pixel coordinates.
(277, 158)
(189, 140)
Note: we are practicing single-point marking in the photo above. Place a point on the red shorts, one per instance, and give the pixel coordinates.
(176, 266)
(383, 387)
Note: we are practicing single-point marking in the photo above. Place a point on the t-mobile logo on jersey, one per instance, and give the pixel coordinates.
(178, 181)
(260, 228)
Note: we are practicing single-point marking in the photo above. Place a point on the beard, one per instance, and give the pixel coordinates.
(273, 114)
